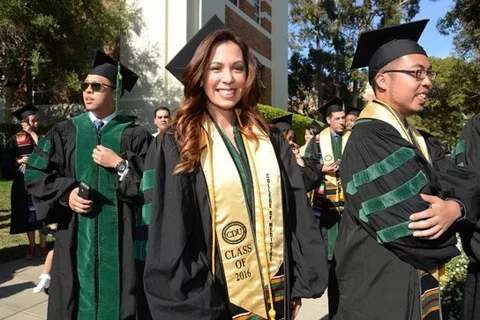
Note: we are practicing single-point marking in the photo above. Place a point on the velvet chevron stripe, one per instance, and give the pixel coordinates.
(32, 174)
(459, 148)
(44, 144)
(394, 232)
(393, 197)
(379, 169)
(37, 161)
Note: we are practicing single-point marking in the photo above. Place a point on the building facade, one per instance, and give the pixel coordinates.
(162, 27)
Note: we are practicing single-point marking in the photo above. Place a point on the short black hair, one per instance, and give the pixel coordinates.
(161, 108)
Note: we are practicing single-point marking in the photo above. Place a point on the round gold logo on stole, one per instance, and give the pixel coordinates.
(328, 157)
(234, 232)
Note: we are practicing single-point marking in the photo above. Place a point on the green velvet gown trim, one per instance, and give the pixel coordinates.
(105, 214)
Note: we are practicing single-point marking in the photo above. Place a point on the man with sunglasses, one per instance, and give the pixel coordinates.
(85, 175)
(403, 199)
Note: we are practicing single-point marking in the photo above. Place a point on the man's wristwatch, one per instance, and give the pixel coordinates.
(121, 166)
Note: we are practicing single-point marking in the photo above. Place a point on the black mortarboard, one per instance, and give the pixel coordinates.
(315, 127)
(354, 111)
(105, 66)
(283, 123)
(377, 48)
(183, 57)
(23, 112)
(334, 105)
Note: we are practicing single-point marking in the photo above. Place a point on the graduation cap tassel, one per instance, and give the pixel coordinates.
(118, 94)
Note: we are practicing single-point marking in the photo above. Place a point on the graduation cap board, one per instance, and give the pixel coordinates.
(183, 57)
(333, 105)
(283, 123)
(23, 112)
(377, 48)
(105, 66)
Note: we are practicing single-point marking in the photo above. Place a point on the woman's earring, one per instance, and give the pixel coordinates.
(201, 84)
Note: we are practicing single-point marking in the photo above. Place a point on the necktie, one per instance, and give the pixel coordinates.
(98, 125)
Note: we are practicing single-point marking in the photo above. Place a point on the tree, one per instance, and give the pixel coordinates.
(48, 44)
(462, 21)
(330, 28)
(454, 98)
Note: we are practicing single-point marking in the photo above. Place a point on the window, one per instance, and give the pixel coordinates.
(256, 10)
(235, 2)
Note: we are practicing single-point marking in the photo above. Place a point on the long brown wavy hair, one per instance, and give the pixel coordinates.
(192, 111)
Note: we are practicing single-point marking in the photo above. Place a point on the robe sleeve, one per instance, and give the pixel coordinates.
(311, 173)
(45, 175)
(383, 177)
(309, 262)
(135, 146)
(467, 155)
(177, 278)
(9, 157)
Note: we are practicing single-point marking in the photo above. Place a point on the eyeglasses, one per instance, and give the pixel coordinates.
(96, 86)
(419, 74)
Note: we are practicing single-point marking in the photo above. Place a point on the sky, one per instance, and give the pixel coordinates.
(432, 41)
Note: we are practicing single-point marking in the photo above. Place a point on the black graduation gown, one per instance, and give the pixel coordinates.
(376, 268)
(178, 282)
(57, 154)
(22, 220)
(467, 154)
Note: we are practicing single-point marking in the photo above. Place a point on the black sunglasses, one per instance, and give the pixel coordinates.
(96, 86)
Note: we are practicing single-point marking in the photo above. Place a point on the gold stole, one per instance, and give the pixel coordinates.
(380, 110)
(249, 261)
(326, 148)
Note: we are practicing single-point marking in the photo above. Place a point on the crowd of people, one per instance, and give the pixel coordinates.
(221, 215)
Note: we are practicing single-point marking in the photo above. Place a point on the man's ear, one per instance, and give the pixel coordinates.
(328, 119)
(381, 80)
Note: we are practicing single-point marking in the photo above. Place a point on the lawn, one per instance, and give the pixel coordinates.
(12, 247)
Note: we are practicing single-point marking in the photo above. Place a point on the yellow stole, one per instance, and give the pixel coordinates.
(249, 260)
(332, 181)
(380, 110)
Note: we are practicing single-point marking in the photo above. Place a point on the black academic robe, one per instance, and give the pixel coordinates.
(376, 274)
(177, 279)
(22, 219)
(52, 175)
(467, 154)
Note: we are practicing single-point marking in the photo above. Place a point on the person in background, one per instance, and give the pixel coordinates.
(47, 266)
(161, 118)
(466, 154)
(85, 175)
(20, 148)
(311, 132)
(218, 169)
(351, 117)
(327, 199)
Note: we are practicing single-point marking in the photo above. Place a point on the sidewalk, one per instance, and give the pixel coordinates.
(18, 302)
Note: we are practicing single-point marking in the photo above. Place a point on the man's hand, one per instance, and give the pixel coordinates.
(296, 304)
(433, 222)
(330, 168)
(77, 203)
(105, 157)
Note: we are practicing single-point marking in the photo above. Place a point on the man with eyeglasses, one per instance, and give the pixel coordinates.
(161, 118)
(85, 175)
(402, 197)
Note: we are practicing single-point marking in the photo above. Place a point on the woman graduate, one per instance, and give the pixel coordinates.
(231, 235)
(20, 146)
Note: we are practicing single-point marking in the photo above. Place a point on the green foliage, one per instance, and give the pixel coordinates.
(330, 30)
(452, 288)
(52, 40)
(462, 21)
(454, 98)
(300, 123)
